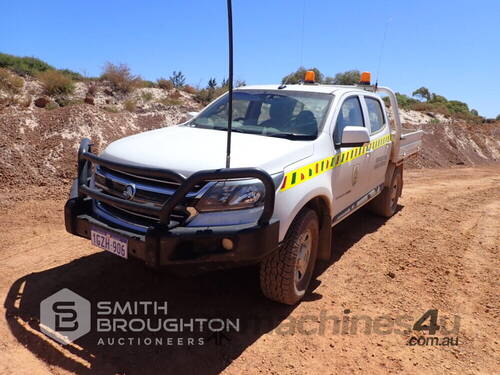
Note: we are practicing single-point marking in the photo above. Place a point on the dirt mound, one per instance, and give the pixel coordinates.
(38, 146)
(447, 144)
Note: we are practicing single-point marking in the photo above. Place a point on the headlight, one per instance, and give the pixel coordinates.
(232, 195)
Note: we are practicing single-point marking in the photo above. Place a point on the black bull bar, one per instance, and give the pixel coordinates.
(86, 159)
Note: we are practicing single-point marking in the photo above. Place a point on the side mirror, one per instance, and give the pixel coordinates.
(191, 115)
(354, 136)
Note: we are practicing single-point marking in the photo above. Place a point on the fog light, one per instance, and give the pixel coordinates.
(227, 244)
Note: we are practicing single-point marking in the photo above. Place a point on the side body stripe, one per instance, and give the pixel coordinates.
(307, 172)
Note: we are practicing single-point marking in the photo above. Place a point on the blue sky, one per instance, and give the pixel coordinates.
(450, 46)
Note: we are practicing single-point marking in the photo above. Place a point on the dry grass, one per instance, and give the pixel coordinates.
(190, 90)
(10, 82)
(165, 84)
(170, 101)
(147, 96)
(130, 105)
(56, 83)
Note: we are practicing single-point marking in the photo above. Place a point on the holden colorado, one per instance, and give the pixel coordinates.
(304, 157)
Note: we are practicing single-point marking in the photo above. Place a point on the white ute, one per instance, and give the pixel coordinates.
(304, 157)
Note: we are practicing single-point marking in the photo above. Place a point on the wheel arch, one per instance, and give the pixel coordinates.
(321, 206)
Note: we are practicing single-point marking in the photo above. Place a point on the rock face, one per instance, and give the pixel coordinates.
(41, 102)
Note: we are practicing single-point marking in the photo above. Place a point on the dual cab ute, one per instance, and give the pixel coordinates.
(304, 157)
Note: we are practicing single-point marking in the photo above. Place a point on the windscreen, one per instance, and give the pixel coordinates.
(292, 115)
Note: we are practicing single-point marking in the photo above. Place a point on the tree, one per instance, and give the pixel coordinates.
(435, 98)
(474, 112)
(212, 83)
(350, 77)
(240, 83)
(178, 79)
(299, 74)
(329, 80)
(423, 93)
(498, 118)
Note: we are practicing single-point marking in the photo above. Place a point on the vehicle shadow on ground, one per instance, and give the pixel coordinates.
(231, 294)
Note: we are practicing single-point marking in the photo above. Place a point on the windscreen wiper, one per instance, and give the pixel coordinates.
(294, 136)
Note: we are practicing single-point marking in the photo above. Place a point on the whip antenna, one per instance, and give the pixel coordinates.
(382, 51)
(230, 82)
(302, 34)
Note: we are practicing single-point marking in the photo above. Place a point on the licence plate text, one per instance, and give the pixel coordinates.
(109, 242)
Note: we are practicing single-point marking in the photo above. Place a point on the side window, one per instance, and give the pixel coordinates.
(375, 113)
(350, 115)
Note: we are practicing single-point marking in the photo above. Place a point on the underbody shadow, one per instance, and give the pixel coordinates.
(231, 295)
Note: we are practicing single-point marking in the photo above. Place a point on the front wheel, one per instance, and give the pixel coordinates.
(286, 273)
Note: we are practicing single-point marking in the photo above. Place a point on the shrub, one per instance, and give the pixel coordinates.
(92, 89)
(175, 95)
(147, 96)
(120, 77)
(165, 84)
(435, 98)
(24, 65)
(148, 84)
(56, 83)
(9, 82)
(404, 101)
(456, 106)
(498, 118)
(189, 89)
(51, 106)
(178, 79)
(130, 105)
(205, 96)
(72, 75)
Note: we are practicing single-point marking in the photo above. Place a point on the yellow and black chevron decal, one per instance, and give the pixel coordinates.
(312, 170)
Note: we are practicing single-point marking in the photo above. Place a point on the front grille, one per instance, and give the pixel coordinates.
(147, 190)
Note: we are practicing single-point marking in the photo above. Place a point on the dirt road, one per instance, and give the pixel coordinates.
(440, 251)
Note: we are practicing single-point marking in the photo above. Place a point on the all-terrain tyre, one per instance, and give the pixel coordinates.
(286, 273)
(386, 203)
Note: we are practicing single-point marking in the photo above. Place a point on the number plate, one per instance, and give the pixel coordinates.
(109, 241)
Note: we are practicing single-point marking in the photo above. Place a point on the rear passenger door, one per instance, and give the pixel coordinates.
(380, 141)
(350, 169)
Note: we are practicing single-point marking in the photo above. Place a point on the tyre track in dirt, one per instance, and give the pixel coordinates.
(440, 251)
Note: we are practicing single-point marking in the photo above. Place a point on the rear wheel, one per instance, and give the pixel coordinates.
(285, 274)
(386, 203)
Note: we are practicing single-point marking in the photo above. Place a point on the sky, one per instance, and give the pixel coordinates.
(450, 46)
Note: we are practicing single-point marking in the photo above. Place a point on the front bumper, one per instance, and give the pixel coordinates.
(200, 247)
(164, 244)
